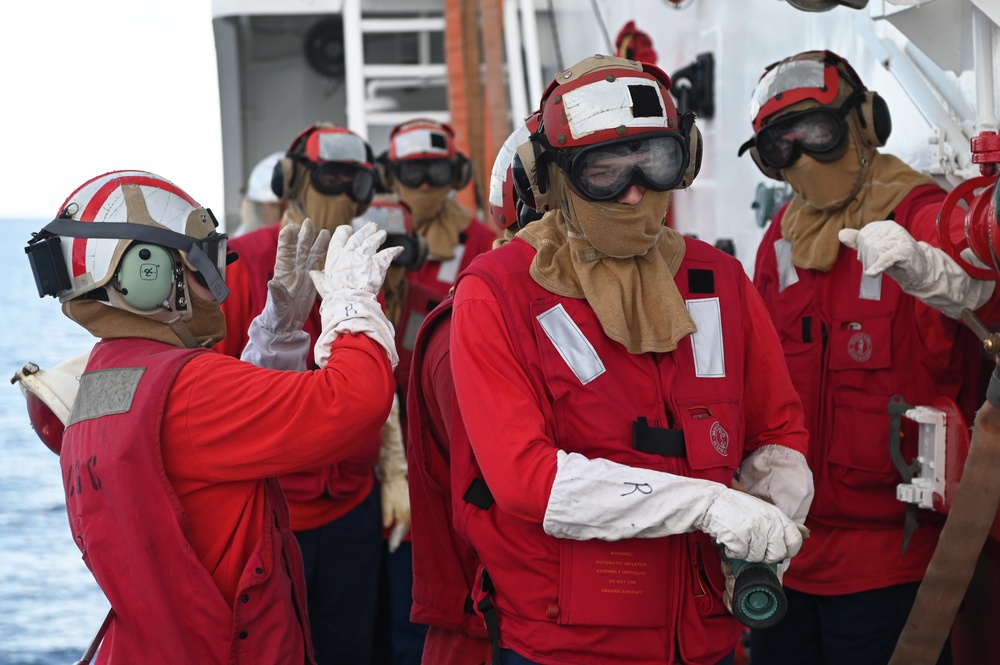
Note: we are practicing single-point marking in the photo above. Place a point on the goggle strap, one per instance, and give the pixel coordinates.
(751, 143)
(152, 234)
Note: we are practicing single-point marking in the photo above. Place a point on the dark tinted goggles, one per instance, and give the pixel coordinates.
(819, 133)
(333, 178)
(415, 172)
(605, 171)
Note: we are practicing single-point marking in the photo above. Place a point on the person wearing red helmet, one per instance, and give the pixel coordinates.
(423, 167)
(630, 374)
(328, 176)
(852, 340)
(171, 493)
(444, 564)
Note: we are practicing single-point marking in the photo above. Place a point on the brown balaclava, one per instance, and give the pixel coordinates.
(860, 187)
(437, 218)
(620, 258)
(326, 211)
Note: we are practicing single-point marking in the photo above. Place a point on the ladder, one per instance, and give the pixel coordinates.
(363, 81)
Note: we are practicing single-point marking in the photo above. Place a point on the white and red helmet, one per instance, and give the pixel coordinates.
(504, 200)
(608, 123)
(81, 250)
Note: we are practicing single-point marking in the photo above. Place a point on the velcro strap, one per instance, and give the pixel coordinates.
(478, 494)
(657, 440)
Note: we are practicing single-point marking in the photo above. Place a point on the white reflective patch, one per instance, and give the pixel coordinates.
(341, 147)
(419, 142)
(787, 274)
(871, 287)
(608, 104)
(388, 218)
(574, 347)
(448, 271)
(706, 343)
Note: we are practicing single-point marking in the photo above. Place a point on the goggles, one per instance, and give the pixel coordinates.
(819, 132)
(415, 172)
(333, 178)
(605, 171)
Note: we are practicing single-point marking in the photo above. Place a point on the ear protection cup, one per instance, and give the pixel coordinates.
(536, 194)
(463, 171)
(383, 174)
(145, 276)
(282, 178)
(694, 157)
(876, 120)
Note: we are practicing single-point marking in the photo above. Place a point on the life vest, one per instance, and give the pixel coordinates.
(127, 520)
(348, 482)
(851, 343)
(444, 565)
(640, 601)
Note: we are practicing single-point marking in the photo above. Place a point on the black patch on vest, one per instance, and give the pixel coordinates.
(807, 329)
(645, 102)
(657, 440)
(701, 281)
(478, 494)
(463, 237)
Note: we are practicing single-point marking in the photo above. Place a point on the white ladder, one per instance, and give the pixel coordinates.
(363, 80)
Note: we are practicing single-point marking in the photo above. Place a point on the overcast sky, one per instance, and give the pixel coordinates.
(98, 85)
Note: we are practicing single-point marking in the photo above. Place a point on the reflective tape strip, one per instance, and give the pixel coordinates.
(608, 104)
(420, 141)
(340, 147)
(706, 343)
(105, 392)
(871, 287)
(787, 274)
(574, 347)
(448, 271)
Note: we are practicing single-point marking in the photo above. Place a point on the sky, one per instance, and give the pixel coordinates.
(100, 85)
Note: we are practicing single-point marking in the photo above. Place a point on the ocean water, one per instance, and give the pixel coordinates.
(50, 606)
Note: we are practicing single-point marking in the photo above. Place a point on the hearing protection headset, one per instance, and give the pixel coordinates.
(874, 119)
(645, 84)
(284, 179)
(145, 276)
(423, 139)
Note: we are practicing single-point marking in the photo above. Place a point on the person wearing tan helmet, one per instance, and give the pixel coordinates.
(853, 340)
(613, 376)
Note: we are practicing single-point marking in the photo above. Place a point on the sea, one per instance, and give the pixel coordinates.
(50, 606)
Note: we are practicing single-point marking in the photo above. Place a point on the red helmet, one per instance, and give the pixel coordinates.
(423, 150)
(504, 201)
(338, 161)
(812, 75)
(605, 112)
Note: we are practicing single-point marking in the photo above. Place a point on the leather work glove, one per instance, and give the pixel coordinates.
(391, 472)
(598, 498)
(925, 272)
(348, 285)
(277, 340)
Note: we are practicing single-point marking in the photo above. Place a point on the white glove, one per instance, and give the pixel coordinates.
(922, 270)
(392, 474)
(597, 498)
(277, 340)
(348, 285)
(781, 476)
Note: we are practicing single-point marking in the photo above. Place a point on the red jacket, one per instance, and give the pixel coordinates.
(848, 356)
(429, 286)
(444, 565)
(318, 496)
(522, 397)
(128, 521)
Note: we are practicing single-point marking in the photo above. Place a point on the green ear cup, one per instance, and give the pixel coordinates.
(145, 276)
